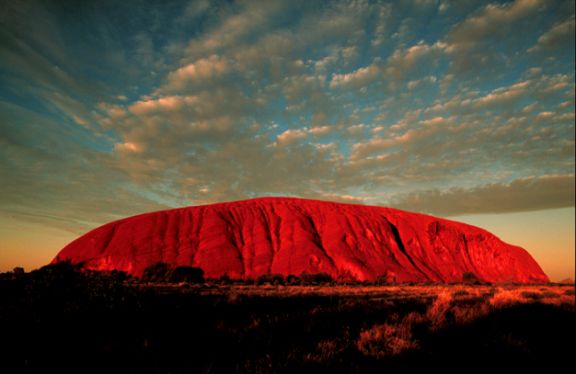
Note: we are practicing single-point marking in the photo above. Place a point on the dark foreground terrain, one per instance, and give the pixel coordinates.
(59, 319)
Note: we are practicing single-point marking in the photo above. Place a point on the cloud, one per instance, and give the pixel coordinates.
(356, 130)
(523, 194)
(321, 130)
(426, 130)
(42, 182)
(489, 22)
(543, 87)
(127, 147)
(290, 136)
(560, 35)
(197, 72)
(475, 44)
(236, 24)
(501, 95)
(473, 136)
(404, 60)
(349, 53)
(162, 104)
(413, 84)
(349, 101)
(357, 78)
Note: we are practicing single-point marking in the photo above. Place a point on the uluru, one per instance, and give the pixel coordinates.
(274, 235)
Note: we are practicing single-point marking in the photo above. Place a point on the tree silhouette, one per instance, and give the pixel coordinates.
(187, 274)
(157, 272)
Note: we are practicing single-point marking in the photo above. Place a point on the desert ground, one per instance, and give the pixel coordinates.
(64, 320)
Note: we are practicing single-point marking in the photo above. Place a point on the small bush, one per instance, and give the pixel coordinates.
(293, 280)
(187, 274)
(438, 313)
(346, 277)
(157, 272)
(532, 295)
(316, 278)
(461, 293)
(276, 279)
(387, 277)
(17, 272)
(224, 279)
(469, 277)
(381, 280)
(326, 351)
(386, 340)
(465, 314)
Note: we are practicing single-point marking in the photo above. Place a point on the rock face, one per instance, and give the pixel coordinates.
(246, 239)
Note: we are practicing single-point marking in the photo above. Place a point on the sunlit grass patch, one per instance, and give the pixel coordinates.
(386, 339)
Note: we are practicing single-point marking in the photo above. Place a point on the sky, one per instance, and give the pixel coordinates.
(461, 109)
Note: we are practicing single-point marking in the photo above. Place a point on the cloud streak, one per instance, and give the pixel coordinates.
(520, 195)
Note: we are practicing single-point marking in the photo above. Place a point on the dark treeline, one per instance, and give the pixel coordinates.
(162, 272)
(159, 272)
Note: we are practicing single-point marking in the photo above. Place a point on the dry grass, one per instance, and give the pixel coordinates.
(453, 305)
(498, 296)
(447, 305)
(386, 340)
(326, 350)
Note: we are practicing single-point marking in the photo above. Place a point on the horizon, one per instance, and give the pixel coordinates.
(460, 110)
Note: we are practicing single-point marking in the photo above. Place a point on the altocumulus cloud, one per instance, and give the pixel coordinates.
(115, 110)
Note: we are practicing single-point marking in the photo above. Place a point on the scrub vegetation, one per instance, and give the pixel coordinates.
(63, 319)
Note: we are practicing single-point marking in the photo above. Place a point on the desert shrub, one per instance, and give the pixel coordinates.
(388, 277)
(263, 279)
(316, 278)
(465, 314)
(62, 275)
(550, 295)
(17, 272)
(469, 277)
(386, 339)
(55, 282)
(293, 279)
(381, 280)
(460, 293)
(187, 274)
(569, 292)
(224, 279)
(486, 295)
(441, 303)
(275, 279)
(438, 312)
(346, 277)
(531, 295)
(326, 351)
(116, 276)
(71, 287)
(157, 272)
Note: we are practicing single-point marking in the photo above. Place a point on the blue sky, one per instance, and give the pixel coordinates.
(453, 108)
